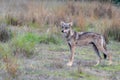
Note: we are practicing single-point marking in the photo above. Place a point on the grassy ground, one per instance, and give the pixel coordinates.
(35, 49)
(49, 63)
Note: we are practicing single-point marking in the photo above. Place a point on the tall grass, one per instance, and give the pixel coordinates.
(113, 31)
(43, 13)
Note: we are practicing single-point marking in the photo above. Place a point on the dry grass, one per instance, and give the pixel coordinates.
(42, 19)
(46, 14)
(47, 18)
(114, 30)
(11, 66)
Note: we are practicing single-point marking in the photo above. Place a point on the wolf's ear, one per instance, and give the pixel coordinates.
(62, 23)
(70, 24)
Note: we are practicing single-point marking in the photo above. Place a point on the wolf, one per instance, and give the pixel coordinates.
(75, 39)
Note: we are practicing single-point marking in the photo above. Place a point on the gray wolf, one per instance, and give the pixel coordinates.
(75, 39)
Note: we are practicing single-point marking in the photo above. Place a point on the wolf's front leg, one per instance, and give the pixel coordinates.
(72, 50)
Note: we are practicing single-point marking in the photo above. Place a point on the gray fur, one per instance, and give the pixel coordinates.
(83, 38)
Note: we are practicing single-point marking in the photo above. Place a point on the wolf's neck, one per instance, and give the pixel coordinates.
(71, 34)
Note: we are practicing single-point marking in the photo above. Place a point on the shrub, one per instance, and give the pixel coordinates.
(5, 33)
(25, 43)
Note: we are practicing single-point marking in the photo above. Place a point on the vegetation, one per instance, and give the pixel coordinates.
(25, 43)
(32, 46)
(5, 33)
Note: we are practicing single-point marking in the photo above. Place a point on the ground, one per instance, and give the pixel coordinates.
(49, 63)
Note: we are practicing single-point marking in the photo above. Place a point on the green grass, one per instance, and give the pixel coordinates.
(111, 68)
(5, 50)
(73, 75)
(62, 47)
(25, 43)
(33, 25)
(50, 39)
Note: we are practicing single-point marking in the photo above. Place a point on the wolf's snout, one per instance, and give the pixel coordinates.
(62, 31)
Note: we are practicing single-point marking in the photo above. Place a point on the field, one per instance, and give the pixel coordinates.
(32, 46)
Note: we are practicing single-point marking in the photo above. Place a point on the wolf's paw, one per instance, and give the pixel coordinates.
(110, 63)
(69, 64)
(97, 63)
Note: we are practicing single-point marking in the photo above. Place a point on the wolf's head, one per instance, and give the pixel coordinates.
(66, 27)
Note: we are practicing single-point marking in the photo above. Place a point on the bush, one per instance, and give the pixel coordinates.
(25, 43)
(5, 34)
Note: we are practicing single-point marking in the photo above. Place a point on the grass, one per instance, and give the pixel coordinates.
(43, 39)
(34, 25)
(74, 75)
(5, 50)
(112, 68)
(9, 62)
(52, 64)
(61, 47)
(50, 39)
(25, 43)
(39, 14)
(113, 32)
(10, 20)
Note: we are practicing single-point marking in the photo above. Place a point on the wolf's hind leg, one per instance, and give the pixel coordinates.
(106, 53)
